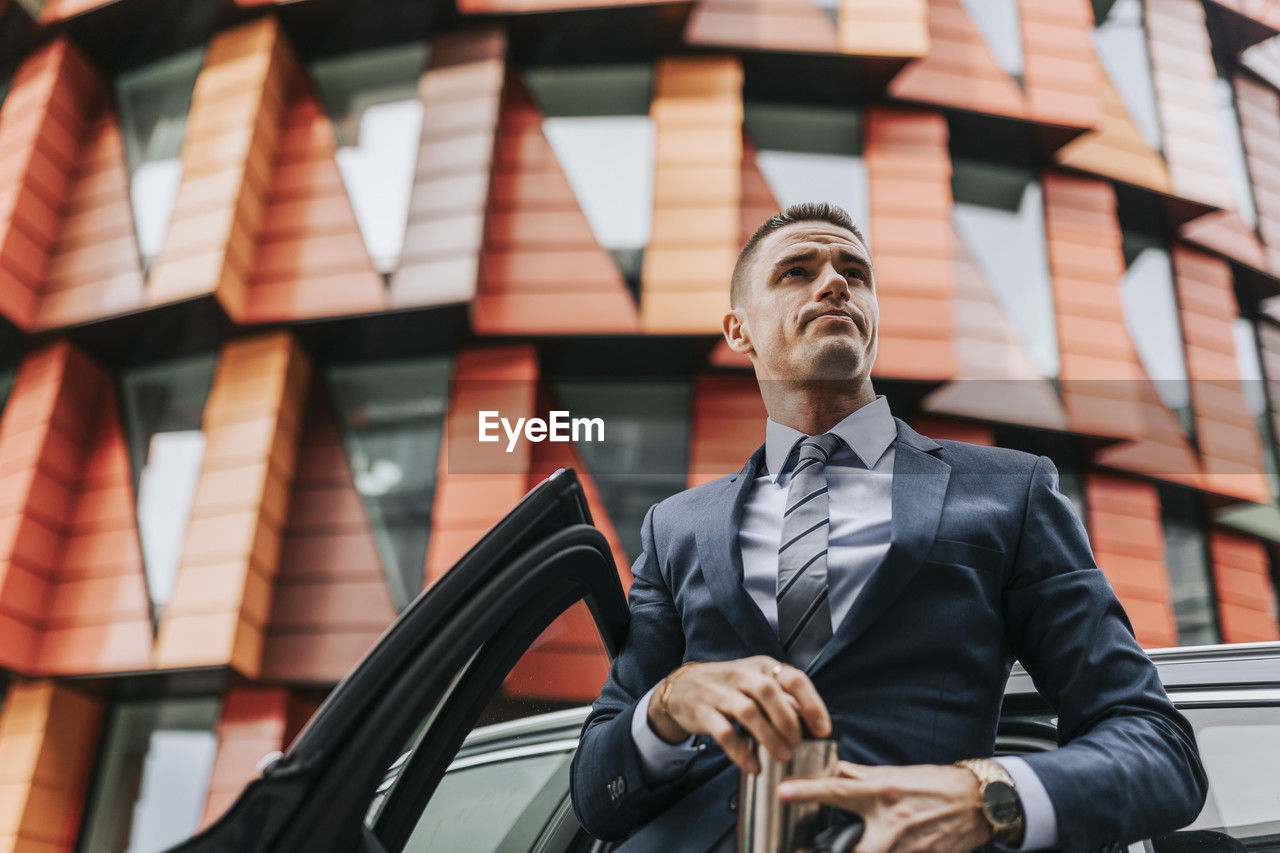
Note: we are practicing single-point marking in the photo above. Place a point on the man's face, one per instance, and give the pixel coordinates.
(808, 310)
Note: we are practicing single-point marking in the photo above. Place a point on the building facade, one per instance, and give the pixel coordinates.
(262, 264)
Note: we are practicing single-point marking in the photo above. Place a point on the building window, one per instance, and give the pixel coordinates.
(998, 212)
(1233, 151)
(810, 153)
(1000, 24)
(6, 386)
(1187, 556)
(1151, 315)
(391, 416)
(645, 455)
(372, 98)
(154, 101)
(153, 775)
(163, 414)
(596, 119)
(1121, 43)
(1254, 387)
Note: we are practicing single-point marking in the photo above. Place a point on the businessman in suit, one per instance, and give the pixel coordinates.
(857, 577)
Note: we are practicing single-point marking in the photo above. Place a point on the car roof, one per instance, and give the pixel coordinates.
(1182, 668)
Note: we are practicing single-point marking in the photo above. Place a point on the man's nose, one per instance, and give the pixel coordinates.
(833, 285)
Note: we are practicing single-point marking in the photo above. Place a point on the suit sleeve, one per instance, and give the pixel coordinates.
(611, 794)
(1127, 766)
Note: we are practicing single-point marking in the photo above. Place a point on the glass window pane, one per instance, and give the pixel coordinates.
(1151, 316)
(6, 385)
(153, 775)
(154, 101)
(645, 455)
(1240, 749)
(1186, 553)
(372, 97)
(1121, 43)
(811, 154)
(392, 420)
(475, 807)
(999, 22)
(999, 213)
(510, 777)
(1233, 151)
(164, 412)
(596, 119)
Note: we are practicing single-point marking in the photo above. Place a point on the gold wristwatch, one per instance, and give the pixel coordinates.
(998, 800)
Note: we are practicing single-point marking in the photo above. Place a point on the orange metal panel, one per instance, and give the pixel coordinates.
(1183, 75)
(330, 588)
(262, 381)
(94, 268)
(1116, 148)
(1230, 447)
(792, 25)
(311, 260)
(237, 110)
(41, 122)
(70, 571)
(968, 431)
(1259, 109)
(727, 426)
(48, 741)
(502, 378)
(253, 724)
(1128, 543)
(1225, 233)
(697, 113)
(1059, 71)
(883, 27)
(909, 175)
(461, 93)
(542, 271)
(1242, 579)
(959, 69)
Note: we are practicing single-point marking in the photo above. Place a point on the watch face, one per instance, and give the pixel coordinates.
(1000, 802)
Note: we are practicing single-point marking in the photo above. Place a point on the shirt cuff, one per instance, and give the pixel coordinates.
(660, 760)
(1041, 821)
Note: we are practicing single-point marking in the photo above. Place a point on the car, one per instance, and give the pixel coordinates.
(393, 759)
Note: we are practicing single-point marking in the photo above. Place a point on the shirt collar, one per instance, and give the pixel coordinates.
(868, 431)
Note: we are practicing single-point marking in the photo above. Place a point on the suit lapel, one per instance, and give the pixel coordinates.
(717, 537)
(918, 489)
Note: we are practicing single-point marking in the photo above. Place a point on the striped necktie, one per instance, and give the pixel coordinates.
(804, 615)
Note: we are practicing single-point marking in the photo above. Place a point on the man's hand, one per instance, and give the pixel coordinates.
(925, 807)
(766, 697)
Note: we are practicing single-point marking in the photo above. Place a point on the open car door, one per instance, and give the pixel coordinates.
(361, 772)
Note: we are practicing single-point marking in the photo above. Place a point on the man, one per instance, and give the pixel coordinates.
(857, 573)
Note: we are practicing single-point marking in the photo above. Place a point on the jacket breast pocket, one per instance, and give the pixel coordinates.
(965, 554)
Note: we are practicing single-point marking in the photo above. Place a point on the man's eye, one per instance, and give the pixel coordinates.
(794, 269)
(855, 275)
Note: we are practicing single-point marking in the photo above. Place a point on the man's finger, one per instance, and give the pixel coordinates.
(778, 705)
(721, 730)
(741, 707)
(838, 792)
(812, 708)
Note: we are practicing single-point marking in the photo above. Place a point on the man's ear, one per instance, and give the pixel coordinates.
(736, 334)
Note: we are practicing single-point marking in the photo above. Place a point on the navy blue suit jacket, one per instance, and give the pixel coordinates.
(988, 563)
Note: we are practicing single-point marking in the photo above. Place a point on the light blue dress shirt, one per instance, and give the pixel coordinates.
(859, 476)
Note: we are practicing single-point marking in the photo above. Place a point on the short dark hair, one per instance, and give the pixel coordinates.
(809, 211)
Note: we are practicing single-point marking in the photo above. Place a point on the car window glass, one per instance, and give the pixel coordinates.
(476, 806)
(1240, 749)
(508, 783)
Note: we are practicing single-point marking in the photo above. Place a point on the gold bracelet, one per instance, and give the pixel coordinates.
(667, 682)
